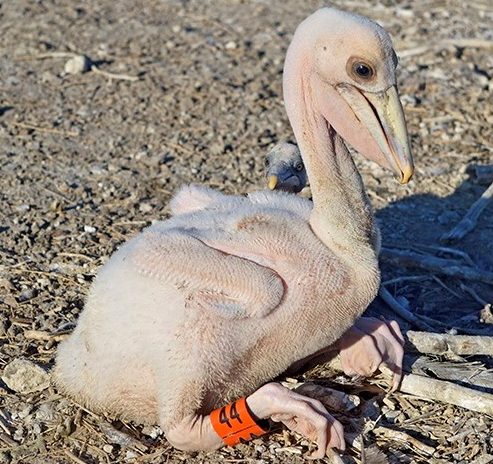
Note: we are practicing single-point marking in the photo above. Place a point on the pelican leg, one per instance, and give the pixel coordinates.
(299, 413)
(366, 346)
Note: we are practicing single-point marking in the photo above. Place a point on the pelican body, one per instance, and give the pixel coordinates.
(215, 302)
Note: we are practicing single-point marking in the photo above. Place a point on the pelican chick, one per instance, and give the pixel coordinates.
(285, 169)
(188, 322)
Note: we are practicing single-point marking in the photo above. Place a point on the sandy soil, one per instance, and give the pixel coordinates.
(87, 161)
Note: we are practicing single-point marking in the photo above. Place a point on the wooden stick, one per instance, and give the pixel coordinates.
(470, 220)
(401, 311)
(431, 263)
(447, 392)
(433, 343)
(438, 390)
(473, 293)
(451, 251)
(334, 457)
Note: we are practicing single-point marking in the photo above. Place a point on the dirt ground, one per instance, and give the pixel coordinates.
(88, 160)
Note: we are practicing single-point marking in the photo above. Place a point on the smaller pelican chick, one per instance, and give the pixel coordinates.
(285, 168)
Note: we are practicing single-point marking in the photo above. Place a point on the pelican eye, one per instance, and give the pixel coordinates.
(267, 162)
(363, 70)
(299, 166)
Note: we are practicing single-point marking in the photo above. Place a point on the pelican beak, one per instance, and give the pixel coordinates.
(272, 182)
(382, 115)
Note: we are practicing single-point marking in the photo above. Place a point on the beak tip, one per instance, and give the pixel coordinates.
(406, 175)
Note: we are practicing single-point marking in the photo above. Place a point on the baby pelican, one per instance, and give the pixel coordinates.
(211, 305)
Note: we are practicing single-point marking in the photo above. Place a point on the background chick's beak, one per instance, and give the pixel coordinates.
(272, 182)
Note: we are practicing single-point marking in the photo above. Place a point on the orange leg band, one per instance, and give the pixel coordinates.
(235, 424)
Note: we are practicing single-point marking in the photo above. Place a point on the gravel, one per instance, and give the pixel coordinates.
(88, 159)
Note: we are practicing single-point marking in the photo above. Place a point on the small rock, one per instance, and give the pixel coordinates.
(108, 448)
(448, 217)
(24, 376)
(89, 229)
(78, 64)
(130, 455)
(25, 411)
(66, 428)
(22, 208)
(152, 431)
(19, 434)
(45, 412)
(27, 295)
(145, 208)
(485, 315)
(230, 45)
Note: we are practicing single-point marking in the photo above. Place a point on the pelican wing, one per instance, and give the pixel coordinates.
(210, 279)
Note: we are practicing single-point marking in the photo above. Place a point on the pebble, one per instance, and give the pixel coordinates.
(19, 434)
(108, 448)
(24, 376)
(89, 229)
(25, 411)
(130, 455)
(152, 431)
(448, 217)
(27, 295)
(145, 208)
(45, 412)
(78, 64)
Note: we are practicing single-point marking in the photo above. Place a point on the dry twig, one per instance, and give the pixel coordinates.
(41, 335)
(401, 311)
(46, 130)
(470, 220)
(121, 77)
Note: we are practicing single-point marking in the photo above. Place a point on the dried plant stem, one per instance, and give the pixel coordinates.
(121, 77)
(470, 220)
